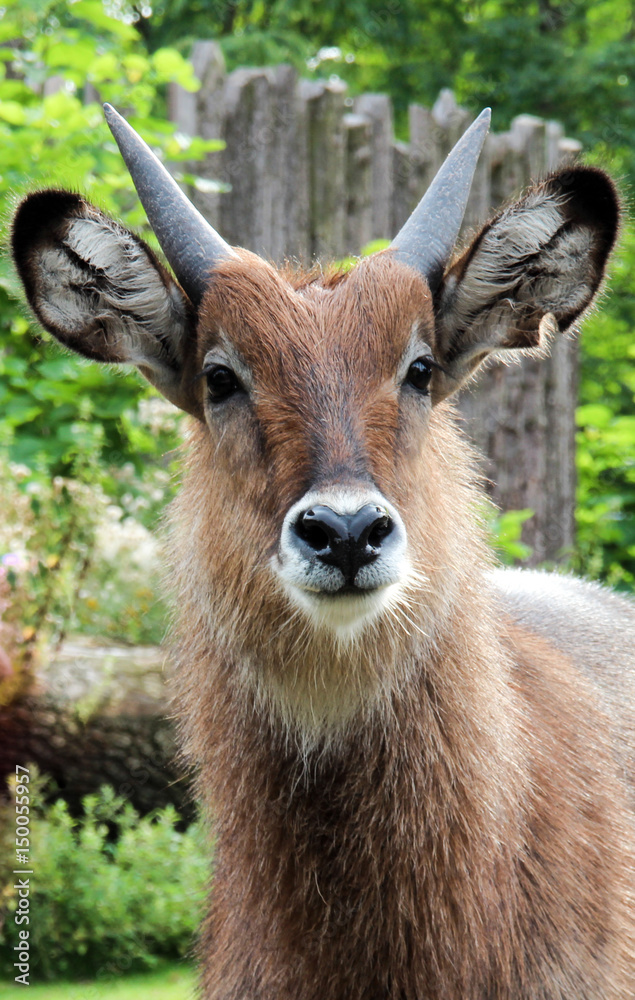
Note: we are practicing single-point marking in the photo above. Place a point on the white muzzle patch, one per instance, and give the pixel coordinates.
(338, 593)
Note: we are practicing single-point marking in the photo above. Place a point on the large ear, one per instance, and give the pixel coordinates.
(100, 290)
(532, 270)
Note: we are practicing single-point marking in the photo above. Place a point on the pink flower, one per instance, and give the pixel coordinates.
(13, 560)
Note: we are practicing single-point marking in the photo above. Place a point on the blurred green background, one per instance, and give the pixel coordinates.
(88, 454)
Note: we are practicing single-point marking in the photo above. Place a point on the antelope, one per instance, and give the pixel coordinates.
(419, 766)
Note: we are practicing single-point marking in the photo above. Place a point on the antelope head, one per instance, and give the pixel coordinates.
(319, 401)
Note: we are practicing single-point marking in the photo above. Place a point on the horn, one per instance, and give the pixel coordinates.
(426, 240)
(189, 243)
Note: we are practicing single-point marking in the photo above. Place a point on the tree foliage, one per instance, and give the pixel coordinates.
(572, 60)
(58, 413)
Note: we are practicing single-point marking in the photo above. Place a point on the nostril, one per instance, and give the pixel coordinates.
(347, 541)
(380, 530)
(370, 526)
(312, 531)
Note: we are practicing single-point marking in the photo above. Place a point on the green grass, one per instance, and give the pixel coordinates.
(172, 982)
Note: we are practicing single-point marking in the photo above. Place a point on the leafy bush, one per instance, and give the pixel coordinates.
(55, 411)
(75, 436)
(102, 903)
(119, 597)
(506, 529)
(72, 561)
(606, 434)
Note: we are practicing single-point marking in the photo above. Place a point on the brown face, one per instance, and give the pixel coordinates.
(313, 396)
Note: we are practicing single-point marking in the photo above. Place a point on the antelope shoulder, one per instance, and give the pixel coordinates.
(593, 627)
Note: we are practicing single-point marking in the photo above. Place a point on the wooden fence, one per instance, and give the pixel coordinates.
(315, 173)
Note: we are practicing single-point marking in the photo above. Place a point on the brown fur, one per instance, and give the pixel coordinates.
(434, 811)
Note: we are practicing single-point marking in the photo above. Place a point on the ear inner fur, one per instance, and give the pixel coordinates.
(100, 290)
(543, 256)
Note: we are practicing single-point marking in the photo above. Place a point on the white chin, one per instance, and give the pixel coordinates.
(346, 615)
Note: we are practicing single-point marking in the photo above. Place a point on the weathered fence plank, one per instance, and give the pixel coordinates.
(201, 114)
(327, 167)
(403, 196)
(359, 192)
(378, 109)
(290, 208)
(246, 209)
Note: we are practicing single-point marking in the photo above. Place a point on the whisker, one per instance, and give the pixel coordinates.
(394, 616)
(403, 612)
(288, 621)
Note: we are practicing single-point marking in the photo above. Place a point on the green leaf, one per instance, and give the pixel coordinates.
(73, 55)
(12, 112)
(374, 246)
(594, 414)
(506, 533)
(93, 11)
(170, 65)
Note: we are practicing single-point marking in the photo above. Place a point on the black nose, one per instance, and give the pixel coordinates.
(347, 541)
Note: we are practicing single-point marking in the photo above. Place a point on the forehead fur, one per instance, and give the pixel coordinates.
(275, 317)
(323, 352)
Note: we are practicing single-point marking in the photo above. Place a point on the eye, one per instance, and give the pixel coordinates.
(419, 374)
(221, 383)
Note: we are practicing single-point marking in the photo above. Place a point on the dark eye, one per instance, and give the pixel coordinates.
(221, 383)
(419, 374)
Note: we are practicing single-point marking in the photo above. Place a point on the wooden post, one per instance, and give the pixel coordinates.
(403, 197)
(529, 134)
(554, 132)
(378, 109)
(327, 167)
(358, 232)
(426, 149)
(479, 204)
(247, 210)
(200, 114)
(568, 151)
(287, 163)
(451, 118)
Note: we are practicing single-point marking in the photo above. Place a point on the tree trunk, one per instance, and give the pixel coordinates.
(96, 715)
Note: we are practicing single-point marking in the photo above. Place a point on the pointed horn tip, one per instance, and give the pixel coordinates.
(482, 122)
(473, 138)
(115, 121)
(440, 205)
